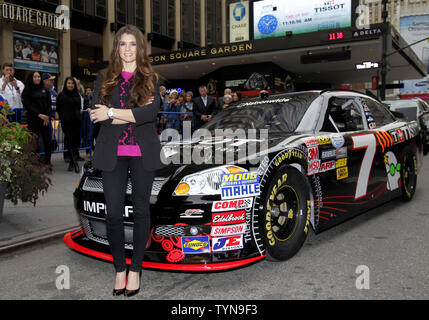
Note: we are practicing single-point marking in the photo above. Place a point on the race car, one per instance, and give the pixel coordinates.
(254, 180)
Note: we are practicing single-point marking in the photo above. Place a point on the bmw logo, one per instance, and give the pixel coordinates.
(239, 12)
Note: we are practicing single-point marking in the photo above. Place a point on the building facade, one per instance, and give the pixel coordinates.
(84, 40)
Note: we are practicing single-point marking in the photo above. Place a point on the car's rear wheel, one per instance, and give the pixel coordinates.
(408, 173)
(424, 142)
(287, 209)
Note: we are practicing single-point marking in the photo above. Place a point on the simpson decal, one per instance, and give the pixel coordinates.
(222, 231)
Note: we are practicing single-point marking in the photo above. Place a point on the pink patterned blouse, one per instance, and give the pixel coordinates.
(127, 144)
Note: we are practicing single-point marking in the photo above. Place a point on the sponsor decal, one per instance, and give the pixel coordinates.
(223, 218)
(325, 166)
(228, 243)
(322, 140)
(196, 244)
(311, 142)
(393, 169)
(192, 213)
(240, 178)
(341, 163)
(328, 154)
(337, 140)
(313, 167)
(221, 231)
(240, 191)
(401, 136)
(235, 204)
(289, 154)
(342, 173)
(101, 208)
(372, 125)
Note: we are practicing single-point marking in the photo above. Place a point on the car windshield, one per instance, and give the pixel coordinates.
(400, 104)
(277, 114)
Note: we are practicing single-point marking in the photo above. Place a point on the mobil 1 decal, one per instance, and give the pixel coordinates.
(240, 184)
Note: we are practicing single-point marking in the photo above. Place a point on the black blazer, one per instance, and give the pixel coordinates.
(200, 109)
(106, 148)
(37, 101)
(68, 108)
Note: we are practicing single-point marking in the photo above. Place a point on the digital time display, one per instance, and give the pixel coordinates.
(336, 36)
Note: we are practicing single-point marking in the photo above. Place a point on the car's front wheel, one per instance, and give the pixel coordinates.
(287, 208)
(408, 173)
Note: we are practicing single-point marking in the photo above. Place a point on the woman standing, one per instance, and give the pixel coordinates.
(128, 91)
(68, 108)
(37, 102)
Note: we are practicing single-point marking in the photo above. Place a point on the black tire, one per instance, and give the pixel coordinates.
(408, 173)
(287, 209)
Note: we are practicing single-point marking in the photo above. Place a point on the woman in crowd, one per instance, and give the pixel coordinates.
(227, 99)
(188, 107)
(128, 90)
(37, 103)
(69, 110)
(236, 96)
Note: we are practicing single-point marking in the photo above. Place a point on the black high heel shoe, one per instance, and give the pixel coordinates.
(118, 292)
(130, 293)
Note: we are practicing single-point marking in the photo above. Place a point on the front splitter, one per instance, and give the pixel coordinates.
(219, 266)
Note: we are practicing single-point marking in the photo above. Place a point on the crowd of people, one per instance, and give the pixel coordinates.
(39, 99)
(199, 110)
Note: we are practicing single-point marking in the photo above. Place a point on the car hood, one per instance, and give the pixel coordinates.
(179, 157)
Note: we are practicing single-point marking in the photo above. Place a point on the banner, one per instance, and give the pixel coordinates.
(412, 29)
(273, 18)
(239, 21)
(34, 52)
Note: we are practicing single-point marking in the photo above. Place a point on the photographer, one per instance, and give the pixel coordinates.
(10, 87)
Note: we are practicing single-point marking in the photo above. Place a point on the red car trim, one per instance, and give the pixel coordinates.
(68, 239)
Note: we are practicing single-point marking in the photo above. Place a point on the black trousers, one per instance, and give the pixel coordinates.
(72, 138)
(115, 186)
(36, 126)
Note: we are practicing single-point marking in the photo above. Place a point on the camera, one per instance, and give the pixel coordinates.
(11, 78)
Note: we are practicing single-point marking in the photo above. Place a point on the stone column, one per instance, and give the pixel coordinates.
(6, 43)
(203, 21)
(108, 36)
(148, 23)
(65, 65)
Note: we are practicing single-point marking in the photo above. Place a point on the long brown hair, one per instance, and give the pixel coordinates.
(143, 86)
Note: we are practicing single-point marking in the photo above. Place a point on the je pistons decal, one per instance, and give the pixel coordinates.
(241, 184)
(223, 218)
(228, 243)
(236, 204)
(196, 244)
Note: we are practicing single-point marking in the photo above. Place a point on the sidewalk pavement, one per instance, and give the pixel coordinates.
(52, 217)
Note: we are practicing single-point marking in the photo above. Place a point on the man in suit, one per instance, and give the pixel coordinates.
(205, 107)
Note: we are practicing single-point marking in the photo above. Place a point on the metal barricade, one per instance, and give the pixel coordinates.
(59, 142)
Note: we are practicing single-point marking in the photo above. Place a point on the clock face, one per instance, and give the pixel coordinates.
(267, 24)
